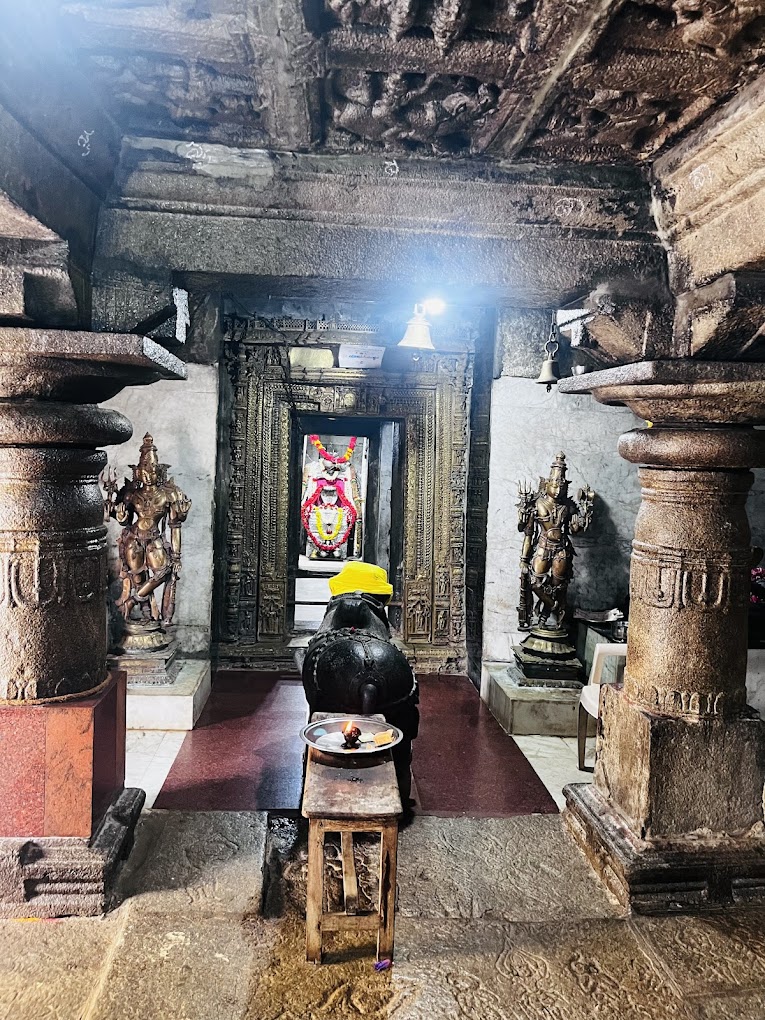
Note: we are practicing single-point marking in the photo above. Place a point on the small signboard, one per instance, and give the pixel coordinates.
(360, 356)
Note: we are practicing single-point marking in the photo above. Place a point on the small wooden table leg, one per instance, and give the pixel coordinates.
(350, 882)
(388, 850)
(314, 891)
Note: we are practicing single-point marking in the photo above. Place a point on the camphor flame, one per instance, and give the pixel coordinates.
(351, 733)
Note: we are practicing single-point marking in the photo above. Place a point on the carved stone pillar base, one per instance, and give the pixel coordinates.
(648, 879)
(56, 876)
(681, 779)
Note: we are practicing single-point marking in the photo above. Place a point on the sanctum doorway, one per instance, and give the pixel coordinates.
(370, 481)
(417, 405)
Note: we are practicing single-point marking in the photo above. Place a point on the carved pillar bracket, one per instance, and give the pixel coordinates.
(675, 815)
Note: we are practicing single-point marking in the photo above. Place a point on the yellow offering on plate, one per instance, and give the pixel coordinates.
(386, 737)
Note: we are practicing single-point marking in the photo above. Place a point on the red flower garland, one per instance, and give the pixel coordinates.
(331, 457)
(313, 500)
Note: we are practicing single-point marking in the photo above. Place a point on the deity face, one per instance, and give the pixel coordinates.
(149, 474)
(554, 487)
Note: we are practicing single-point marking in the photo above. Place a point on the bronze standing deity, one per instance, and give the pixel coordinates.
(547, 517)
(151, 509)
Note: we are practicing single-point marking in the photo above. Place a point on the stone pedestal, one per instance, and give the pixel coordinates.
(522, 709)
(674, 818)
(65, 820)
(176, 706)
(148, 668)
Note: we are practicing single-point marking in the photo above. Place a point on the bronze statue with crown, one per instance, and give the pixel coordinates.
(547, 517)
(151, 509)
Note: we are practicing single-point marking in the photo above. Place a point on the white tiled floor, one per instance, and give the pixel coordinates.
(554, 759)
(148, 757)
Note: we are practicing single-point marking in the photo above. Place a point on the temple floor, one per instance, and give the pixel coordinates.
(497, 918)
(244, 754)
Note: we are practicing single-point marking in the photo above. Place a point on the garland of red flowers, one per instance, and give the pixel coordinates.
(343, 501)
(331, 457)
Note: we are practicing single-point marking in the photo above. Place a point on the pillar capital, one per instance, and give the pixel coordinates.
(681, 391)
(695, 447)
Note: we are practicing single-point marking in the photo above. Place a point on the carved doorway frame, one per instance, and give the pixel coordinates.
(429, 394)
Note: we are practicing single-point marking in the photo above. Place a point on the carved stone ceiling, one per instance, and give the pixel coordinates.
(603, 81)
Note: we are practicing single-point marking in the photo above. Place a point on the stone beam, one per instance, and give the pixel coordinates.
(44, 90)
(536, 237)
(709, 194)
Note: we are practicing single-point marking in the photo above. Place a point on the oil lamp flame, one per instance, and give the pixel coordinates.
(351, 734)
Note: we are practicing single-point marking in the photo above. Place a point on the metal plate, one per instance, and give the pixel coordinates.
(326, 735)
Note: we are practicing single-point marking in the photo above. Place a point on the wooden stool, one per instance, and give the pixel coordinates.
(348, 800)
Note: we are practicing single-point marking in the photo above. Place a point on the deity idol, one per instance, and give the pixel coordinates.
(330, 505)
(151, 509)
(547, 518)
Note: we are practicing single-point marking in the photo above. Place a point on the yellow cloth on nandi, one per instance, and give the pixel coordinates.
(359, 576)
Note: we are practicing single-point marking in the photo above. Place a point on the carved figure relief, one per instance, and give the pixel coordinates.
(183, 94)
(412, 111)
(430, 76)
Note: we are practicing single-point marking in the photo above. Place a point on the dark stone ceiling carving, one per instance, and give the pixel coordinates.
(602, 81)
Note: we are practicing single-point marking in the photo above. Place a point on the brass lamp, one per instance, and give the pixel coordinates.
(550, 371)
(417, 331)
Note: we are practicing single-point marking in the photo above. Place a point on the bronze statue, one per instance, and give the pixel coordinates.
(151, 508)
(547, 518)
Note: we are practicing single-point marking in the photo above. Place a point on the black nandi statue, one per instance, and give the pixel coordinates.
(353, 668)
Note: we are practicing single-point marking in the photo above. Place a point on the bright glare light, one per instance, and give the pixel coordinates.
(434, 306)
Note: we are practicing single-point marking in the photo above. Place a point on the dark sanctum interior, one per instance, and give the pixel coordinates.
(382, 509)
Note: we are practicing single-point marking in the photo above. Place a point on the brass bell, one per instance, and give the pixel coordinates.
(550, 371)
(417, 331)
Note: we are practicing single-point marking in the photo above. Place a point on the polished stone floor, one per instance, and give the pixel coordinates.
(245, 754)
(150, 754)
(498, 919)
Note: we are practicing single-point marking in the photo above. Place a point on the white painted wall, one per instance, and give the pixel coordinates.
(182, 417)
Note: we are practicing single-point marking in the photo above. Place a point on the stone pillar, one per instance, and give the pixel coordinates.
(66, 821)
(674, 818)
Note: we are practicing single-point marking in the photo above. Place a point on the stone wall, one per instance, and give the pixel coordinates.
(182, 417)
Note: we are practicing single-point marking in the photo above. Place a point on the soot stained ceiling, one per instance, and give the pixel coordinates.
(591, 81)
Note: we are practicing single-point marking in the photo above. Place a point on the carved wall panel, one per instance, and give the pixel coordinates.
(431, 400)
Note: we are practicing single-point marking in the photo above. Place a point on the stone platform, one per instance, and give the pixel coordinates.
(525, 710)
(175, 706)
(476, 939)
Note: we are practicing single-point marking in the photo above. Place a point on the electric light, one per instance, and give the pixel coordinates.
(434, 306)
